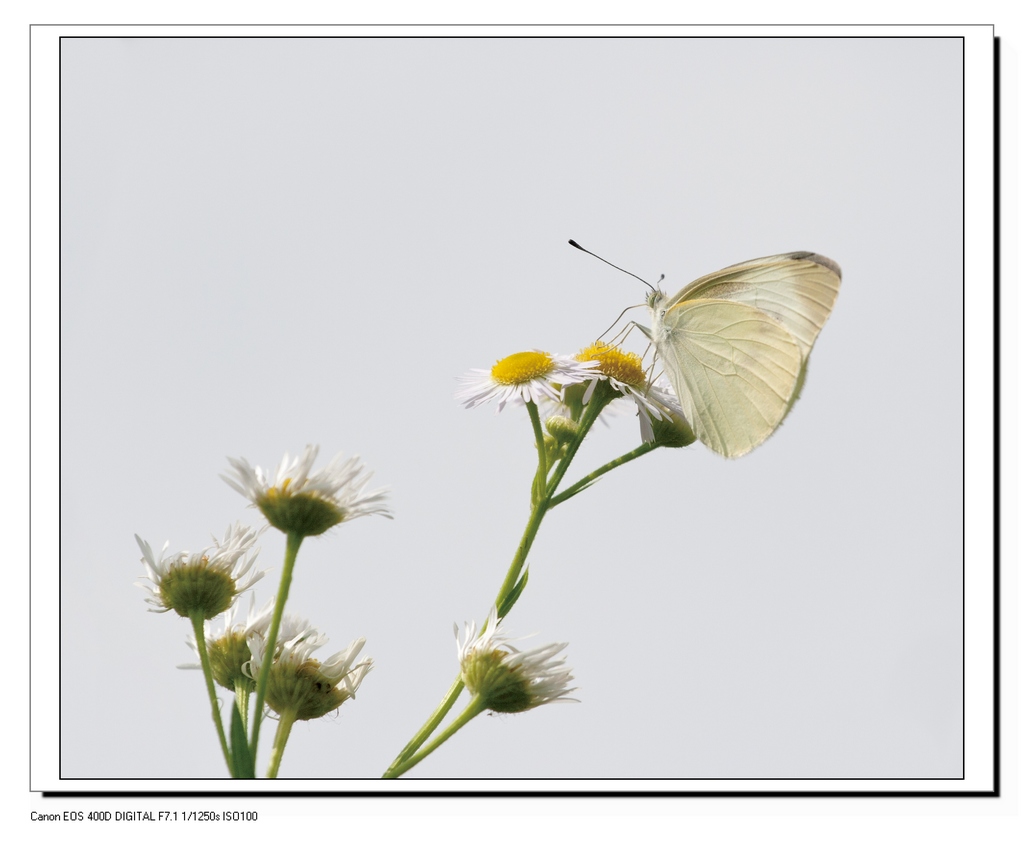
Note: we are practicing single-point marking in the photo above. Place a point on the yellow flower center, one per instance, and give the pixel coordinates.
(520, 368)
(616, 363)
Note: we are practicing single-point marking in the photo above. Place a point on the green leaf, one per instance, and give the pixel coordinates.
(242, 761)
(513, 595)
(565, 496)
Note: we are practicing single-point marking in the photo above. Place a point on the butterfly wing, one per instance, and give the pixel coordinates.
(733, 367)
(798, 290)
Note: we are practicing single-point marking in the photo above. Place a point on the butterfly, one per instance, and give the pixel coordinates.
(735, 344)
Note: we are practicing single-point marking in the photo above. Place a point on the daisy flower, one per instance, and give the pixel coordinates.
(505, 679)
(228, 648)
(302, 687)
(527, 377)
(207, 582)
(297, 501)
(656, 406)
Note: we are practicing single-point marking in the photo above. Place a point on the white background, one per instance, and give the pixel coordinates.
(271, 242)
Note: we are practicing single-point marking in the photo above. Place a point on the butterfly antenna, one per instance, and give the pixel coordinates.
(575, 244)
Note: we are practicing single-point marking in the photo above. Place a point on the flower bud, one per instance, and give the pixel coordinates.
(505, 679)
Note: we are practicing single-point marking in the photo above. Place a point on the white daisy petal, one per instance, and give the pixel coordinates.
(506, 679)
(308, 687)
(232, 558)
(528, 377)
(299, 498)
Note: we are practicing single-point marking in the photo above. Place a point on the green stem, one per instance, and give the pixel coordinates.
(435, 719)
(643, 449)
(284, 728)
(597, 404)
(515, 569)
(544, 503)
(472, 710)
(204, 658)
(525, 542)
(290, 553)
(430, 726)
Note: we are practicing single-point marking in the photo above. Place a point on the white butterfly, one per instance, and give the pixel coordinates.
(735, 344)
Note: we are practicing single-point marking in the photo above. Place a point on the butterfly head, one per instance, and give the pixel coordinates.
(654, 298)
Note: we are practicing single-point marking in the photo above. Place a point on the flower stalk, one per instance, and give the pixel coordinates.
(471, 711)
(591, 477)
(290, 554)
(284, 729)
(408, 757)
(204, 658)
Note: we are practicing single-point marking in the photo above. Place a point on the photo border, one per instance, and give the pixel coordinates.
(44, 266)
